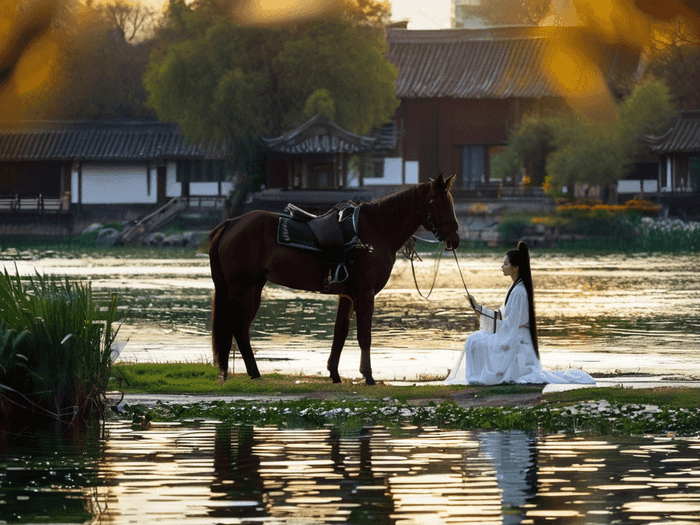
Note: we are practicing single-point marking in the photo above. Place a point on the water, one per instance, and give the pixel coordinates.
(213, 473)
(607, 314)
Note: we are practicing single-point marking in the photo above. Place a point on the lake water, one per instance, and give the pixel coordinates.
(607, 314)
(209, 473)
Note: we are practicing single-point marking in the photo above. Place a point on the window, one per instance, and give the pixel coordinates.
(473, 165)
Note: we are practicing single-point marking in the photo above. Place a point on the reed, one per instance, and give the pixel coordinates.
(55, 347)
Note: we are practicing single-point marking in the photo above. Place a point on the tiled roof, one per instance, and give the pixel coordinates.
(683, 137)
(98, 141)
(319, 135)
(504, 62)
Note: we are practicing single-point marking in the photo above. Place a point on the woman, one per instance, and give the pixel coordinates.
(505, 348)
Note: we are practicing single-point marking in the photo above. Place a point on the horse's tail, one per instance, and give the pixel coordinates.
(221, 332)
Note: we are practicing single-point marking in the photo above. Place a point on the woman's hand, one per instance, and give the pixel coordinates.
(474, 304)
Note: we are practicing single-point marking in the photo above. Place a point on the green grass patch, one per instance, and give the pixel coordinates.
(190, 378)
(671, 397)
(351, 405)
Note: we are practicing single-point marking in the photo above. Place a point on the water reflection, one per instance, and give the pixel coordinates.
(214, 473)
(604, 306)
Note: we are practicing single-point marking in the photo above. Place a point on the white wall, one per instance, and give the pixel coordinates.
(209, 188)
(635, 186)
(392, 173)
(127, 184)
(172, 187)
(115, 184)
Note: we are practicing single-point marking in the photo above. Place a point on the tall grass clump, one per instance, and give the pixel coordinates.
(55, 347)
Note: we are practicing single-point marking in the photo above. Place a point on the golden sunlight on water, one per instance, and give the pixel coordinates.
(603, 313)
(213, 473)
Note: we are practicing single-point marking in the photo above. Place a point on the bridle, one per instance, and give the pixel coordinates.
(433, 227)
(435, 231)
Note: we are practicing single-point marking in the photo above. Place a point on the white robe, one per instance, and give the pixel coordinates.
(501, 351)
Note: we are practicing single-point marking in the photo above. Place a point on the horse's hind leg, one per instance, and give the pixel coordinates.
(340, 334)
(244, 312)
(222, 333)
(365, 309)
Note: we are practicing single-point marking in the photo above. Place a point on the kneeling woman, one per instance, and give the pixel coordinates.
(505, 349)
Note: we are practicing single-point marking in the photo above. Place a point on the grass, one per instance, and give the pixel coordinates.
(55, 348)
(314, 402)
(190, 378)
(671, 397)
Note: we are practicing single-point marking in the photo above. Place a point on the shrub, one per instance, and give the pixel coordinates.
(56, 346)
(512, 228)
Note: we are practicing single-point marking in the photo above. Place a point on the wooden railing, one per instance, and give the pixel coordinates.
(496, 191)
(39, 204)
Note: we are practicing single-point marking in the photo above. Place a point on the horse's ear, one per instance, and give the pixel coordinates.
(444, 184)
(438, 178)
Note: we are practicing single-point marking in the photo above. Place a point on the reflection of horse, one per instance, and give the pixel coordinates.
(244, 255)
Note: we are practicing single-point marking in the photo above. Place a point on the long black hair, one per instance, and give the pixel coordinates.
(520, 257)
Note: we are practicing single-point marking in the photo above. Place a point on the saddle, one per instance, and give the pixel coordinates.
(333, 234)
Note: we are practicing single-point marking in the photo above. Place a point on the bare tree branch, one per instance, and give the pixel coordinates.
(131, 18)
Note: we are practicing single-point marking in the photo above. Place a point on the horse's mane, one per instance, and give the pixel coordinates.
(396, 204)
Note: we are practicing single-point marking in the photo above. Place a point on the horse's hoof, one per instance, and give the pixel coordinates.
(222, 378)
(369, 381)
(254, 376)
(336, 379)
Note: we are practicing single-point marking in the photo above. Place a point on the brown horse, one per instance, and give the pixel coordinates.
(244, 255)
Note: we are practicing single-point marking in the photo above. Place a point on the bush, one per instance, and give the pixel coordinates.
(56, 346)
(512, 228)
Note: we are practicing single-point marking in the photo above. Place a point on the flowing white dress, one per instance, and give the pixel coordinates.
(501, 351)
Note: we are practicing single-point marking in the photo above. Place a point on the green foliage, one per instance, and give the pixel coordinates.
(320, 102)
(56, 344)
(350, 415)
(578, 151)
(528, 147)
(220, 80)
(512, 228)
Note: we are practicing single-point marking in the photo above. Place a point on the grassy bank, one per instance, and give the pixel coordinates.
(316, 402)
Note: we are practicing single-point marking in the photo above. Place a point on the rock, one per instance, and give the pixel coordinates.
(154, 239)
(174, 240)
(95, 226)
(107, 237)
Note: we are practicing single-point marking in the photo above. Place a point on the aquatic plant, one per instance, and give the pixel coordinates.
(56, 346)
(669, 235)
(599, 417)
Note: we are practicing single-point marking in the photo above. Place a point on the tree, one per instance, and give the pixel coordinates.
(591, 152)
(221, 80)
(320, 102)
(66, 60)
(674, 56)
(507, 12)
(132, 19)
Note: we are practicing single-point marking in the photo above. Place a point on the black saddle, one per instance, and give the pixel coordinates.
(333, 234)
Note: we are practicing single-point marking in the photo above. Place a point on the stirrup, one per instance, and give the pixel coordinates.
(336, 278)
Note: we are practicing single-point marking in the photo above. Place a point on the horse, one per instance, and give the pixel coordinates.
(244, 255)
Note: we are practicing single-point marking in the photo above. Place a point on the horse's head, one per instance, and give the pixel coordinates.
(440, 216)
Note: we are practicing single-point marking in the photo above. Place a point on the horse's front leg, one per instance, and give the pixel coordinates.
(364, 308)
(340, 334)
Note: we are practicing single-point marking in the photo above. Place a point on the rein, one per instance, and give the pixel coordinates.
(409, 250)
